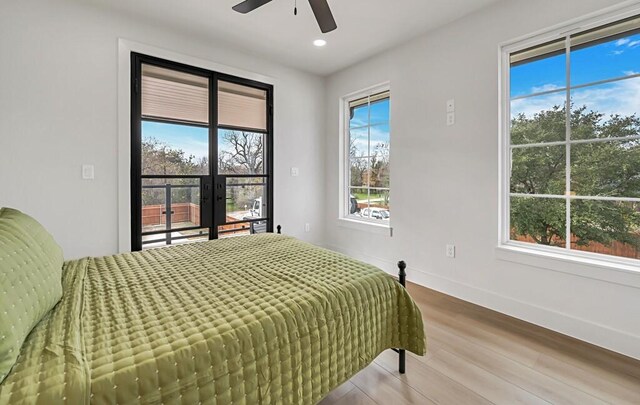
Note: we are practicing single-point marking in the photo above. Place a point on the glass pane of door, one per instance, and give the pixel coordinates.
(241, 152)
(173, 129)
(246, 198)
(174, 150)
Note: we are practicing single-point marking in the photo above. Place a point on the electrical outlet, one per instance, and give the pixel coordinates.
(307, 227)
(451, 251)
(295, 172)
(451, 118)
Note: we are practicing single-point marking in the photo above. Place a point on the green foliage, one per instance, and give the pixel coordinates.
(373, 171)
(161, 159)
(606, 168)
(158, 158)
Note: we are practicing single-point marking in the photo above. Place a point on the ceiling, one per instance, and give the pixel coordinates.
(365, 27)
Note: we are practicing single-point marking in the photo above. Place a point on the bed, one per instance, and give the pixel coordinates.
(254, 319)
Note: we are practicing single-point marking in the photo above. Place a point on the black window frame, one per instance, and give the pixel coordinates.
(211, 208)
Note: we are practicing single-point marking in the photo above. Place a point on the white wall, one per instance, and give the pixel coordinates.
(445, 179)
(58, 110)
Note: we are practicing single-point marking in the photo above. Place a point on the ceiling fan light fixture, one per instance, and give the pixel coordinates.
(319, 42)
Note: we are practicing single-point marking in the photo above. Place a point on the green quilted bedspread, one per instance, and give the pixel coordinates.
(247, 320)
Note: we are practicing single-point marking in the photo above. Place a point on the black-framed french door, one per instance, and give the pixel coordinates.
(201, 154)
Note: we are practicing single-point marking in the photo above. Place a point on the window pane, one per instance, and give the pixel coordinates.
(359, 111)
(379, 111)
(538, 119)
(379, 198)
(358, 200)
(380, 139)
(378, 205)
(240, 152)
(359, 172)
(606, 110)
(538, 220)
(359, 142)
(171, 149)
(609, 169)
(242, 106)
(538, 170)
(379, 171)
(606, 227)
(616, 57)
(246, 198)
(173, 95)
(540, 73)
(170, 204)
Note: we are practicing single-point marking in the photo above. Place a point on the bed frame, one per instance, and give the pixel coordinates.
(402, 279)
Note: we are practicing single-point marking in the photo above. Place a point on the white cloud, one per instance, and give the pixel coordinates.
(622, 41)
(633, 44)
(532, 105)
(545, 87)
(630, 72)
(622, 97)
(617, 52)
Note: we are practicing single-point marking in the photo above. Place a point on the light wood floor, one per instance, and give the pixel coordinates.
(478, 356)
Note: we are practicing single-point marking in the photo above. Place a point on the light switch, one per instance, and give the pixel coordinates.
(294, 172)
(88, 172)
(451, 105)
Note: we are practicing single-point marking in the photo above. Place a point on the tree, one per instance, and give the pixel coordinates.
(606, 168)
(244, 154)
(159, 158)
(380, 170)
(373, 170)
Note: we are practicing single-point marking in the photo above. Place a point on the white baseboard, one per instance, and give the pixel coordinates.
(594, 333)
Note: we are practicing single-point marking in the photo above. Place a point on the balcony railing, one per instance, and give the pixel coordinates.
(170, 217)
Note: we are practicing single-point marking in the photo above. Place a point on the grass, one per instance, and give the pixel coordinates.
(364, 196)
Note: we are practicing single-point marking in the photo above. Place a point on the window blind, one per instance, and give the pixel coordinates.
(174, 95)
(242, 106)
(581, 39)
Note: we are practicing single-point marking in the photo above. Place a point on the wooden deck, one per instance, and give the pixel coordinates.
(478, 356)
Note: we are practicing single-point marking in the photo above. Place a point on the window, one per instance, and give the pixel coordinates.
(572, 125)
(367, 147)
(201, 154)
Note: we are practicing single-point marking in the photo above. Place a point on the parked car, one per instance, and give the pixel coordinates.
(375, 213)
(256, 208)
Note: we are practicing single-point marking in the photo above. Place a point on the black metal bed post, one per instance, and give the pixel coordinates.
(402, 278)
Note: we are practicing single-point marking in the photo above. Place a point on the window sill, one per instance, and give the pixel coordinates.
(604, 270)
(365, 226)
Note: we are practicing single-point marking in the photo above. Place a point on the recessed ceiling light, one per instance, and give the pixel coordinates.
(319, 42)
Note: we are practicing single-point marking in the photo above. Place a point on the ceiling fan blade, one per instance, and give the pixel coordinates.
(323, 15)
(249, 5)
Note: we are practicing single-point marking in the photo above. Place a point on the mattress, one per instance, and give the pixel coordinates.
(246, 320)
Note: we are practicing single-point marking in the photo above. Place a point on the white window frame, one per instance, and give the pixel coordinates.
(367, 224)
(571, 261)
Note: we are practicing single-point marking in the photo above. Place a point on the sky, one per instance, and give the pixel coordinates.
(608, 60)
(378, 112)
(192, 140)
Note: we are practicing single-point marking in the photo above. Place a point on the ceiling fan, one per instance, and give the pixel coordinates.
(320, 9)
